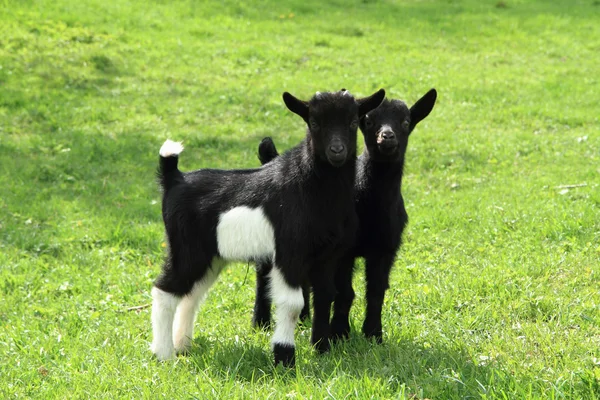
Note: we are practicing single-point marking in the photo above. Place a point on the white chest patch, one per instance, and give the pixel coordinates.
(245, 233)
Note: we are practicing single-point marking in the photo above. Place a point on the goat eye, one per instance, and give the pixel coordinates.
(354, 124)
(313, 125)
(368, 123)
(405, 125)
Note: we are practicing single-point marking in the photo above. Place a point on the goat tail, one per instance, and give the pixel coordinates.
(267, 150)
(168, 173)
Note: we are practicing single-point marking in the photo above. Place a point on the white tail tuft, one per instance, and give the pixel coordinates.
(170, 148)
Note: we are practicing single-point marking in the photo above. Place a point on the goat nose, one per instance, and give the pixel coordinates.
(337, 148)
(388, 134)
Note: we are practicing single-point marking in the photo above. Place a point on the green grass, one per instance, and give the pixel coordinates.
(496, 292)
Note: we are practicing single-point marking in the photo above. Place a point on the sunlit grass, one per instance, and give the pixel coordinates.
(496, 292)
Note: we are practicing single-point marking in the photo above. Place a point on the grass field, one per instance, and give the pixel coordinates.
(496, 292)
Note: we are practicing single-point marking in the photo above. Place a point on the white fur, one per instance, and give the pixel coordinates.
(245, 233)
(163, 309)
(288, 305)
(183, 326)
(170, 148)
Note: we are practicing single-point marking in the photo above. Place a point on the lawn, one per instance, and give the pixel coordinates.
(496, 292)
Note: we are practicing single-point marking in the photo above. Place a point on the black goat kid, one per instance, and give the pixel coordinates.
(296, 212)
(381, 213)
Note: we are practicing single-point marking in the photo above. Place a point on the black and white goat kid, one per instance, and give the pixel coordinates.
(296, 212)
(381, 212)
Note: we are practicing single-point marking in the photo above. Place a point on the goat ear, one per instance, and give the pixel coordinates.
(422, 108)
(267, 150)
(367, 104)
(296, 105)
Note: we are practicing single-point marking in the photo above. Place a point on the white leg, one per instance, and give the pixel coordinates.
(163, 311)
(288, 305)
(183, 329)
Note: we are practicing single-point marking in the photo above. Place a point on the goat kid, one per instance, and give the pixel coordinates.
(381, 212)
(296, 213)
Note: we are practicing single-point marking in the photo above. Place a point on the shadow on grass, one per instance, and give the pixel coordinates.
(401, 365)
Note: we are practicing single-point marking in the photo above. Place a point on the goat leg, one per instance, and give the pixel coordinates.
(340, 323)
(377, 274)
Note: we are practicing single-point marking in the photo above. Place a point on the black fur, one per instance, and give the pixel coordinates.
(284, 355)
(306, 194)
(380, 208)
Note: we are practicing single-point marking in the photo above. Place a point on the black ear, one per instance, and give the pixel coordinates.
(267, 150)
(422, 108)
(367, 104)
(296, 106)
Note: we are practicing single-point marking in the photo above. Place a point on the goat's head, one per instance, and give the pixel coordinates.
(386, 128)
(332, 119)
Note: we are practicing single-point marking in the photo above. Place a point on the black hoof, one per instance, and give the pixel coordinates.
(340, 337)
(373, 332)
(340, 330)
(377, 337)
(322, 346)
(284, 355)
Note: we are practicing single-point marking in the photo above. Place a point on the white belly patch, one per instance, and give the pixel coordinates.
(245, 233)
